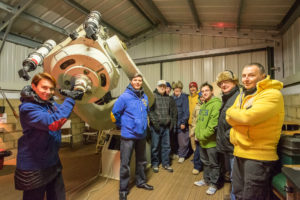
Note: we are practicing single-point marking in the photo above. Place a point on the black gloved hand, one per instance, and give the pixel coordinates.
(74, 94)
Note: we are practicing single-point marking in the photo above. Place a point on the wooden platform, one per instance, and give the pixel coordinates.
(167, 186)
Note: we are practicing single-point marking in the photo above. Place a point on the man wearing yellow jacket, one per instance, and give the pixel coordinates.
(256, 118)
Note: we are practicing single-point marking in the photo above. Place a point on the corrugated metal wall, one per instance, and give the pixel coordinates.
(11, 59)
(291, 50)
(150, 70)
(199, 70)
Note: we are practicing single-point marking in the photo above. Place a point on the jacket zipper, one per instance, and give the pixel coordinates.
(242, 102)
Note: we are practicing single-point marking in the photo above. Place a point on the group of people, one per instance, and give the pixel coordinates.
(238, 133)
(234, 137)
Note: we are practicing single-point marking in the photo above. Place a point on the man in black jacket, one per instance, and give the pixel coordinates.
(228, 82)
(160, 120)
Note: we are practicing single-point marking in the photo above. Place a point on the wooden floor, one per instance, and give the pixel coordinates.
(167, 186)
(81, 165)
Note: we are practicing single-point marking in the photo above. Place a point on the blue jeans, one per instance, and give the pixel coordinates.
(197, 161)
(231, 159)
(160, 142)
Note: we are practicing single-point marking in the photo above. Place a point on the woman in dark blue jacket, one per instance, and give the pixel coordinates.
(182, 128)
(130, 114)
(38, 164)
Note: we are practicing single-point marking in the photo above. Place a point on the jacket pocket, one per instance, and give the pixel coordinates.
(139, 126)
(128, 124)
(243, 136)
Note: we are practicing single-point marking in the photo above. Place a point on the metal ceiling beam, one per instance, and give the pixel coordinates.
(272, 35)
(143, 32)
(157, 12)
(82, 9)
(141, 11)
(16, 14)
(290, 17)
(143, 37)
(238, 21)
(203, 53)
(194, 12)
(5, 35)
(33, 19)
(21, 40)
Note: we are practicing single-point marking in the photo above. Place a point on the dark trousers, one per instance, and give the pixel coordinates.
(126, 149)
(252, 179)
(173, 142)
(55, 190)
(211, 166)
(183, 142)
(160, 143)
(226, 163)
(197, 160)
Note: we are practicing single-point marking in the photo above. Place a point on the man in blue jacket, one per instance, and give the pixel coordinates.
(38, 164)
(130, 114)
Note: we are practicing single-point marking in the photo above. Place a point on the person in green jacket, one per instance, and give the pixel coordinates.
(205, 133)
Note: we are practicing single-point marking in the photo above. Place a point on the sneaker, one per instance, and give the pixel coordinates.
(168, 168)
(181, 160)
(174, 156)
(211, 190)
(200, 183)
(195, 171)
(155, 169)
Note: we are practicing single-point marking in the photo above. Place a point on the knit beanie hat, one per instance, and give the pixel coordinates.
(193, 84)
(169, 85)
